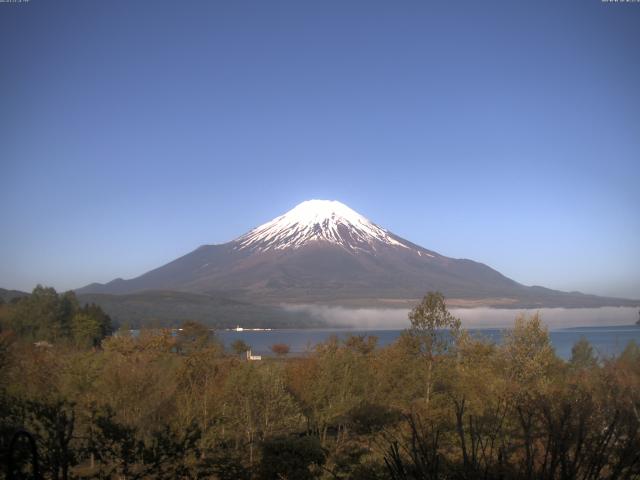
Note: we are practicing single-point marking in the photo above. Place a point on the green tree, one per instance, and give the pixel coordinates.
(329, 385)
(240, 347)
(528, 350)
(529, 364)
(103, 320)
(87, 332)
(67, 308)
(47, 315)
(36, 317)
(475, 391)
(258, 404)
(399, 372)
(193, 336)
(631, 354)
(429, 320)
(582, 356)
(200, 385)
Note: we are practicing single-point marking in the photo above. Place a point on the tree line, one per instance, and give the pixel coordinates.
(47, 316)
(437, 403)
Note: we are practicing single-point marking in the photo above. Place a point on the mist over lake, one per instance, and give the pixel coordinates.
(608, 329)
(392, 318)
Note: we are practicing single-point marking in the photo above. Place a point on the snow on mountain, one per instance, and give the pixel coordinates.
(324, 252)
(317, 221)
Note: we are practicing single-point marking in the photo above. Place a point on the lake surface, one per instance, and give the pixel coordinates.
(606, 340)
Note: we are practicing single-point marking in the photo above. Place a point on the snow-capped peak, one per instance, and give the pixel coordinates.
(317, 221)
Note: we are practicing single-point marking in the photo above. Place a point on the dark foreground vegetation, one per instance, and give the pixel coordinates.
(429, 406)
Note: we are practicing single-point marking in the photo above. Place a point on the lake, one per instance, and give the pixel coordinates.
(606, 340)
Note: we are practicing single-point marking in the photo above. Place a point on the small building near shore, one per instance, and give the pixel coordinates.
(253, 357)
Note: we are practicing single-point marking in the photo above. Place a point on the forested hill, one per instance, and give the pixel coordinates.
(50, 317)
(153, 309)
(169, 309)
(8, 295)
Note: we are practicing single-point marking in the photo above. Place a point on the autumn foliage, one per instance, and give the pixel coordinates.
(434, 404)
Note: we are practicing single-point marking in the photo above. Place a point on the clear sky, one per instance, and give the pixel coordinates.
(507, 132)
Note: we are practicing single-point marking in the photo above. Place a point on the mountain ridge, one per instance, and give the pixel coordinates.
(324, 252)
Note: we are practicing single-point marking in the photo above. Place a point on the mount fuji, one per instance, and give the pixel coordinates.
(324, 252)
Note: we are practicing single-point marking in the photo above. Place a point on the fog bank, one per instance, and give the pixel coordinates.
(483, 317)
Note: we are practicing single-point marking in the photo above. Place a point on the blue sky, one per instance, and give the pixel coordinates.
(505, 132)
